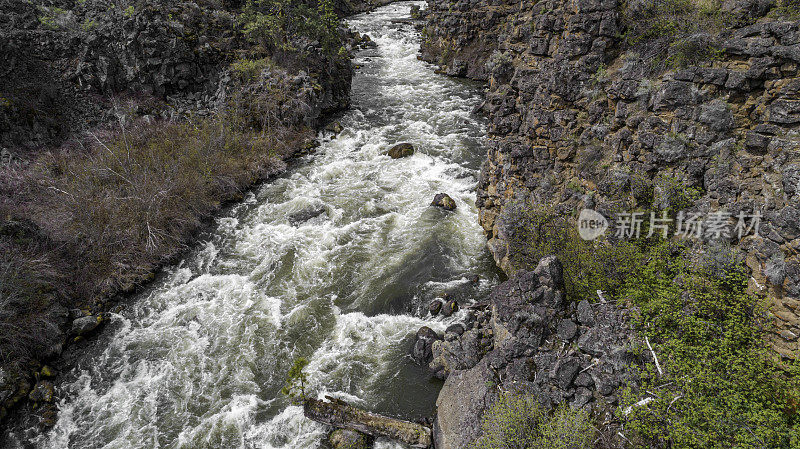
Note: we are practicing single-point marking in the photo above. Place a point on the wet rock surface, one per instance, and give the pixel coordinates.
(444, 201)
(401, 150)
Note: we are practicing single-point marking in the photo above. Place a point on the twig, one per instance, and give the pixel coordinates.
(673, 401)
(644, 401)
(655, 357)
(590, 366)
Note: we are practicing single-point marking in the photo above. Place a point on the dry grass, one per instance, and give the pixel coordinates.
(112, 206)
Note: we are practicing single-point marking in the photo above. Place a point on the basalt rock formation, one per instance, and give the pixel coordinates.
(581, 118)
(530, 339)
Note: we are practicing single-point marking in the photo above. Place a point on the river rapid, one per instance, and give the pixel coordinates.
(199, 358)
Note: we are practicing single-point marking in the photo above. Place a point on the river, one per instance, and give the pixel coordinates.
(199, 358)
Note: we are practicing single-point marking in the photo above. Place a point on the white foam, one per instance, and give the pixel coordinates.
(198, 361)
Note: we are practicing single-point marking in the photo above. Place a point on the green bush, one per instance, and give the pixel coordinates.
(675, 33)
(588, 265)
(518, 421)
(277, 24)
(722, 387)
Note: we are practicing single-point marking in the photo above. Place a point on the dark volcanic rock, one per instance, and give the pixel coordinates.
(449, 307)
(443, 200)
(515, 351)
(435, 307)
(401, 150)
(423, 342)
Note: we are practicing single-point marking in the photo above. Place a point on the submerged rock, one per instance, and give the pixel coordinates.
(306, 214)
(404, 149)
(444, 201)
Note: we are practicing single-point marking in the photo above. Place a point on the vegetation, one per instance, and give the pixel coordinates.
(588, 266)
(518, 421)
(295, 387)
(675, 33)
(721, 386)
(280, 24)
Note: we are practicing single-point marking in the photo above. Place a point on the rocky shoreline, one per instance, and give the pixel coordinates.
(528, 338)
(582, 117)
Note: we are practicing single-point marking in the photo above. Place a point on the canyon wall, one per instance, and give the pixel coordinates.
(579, 117)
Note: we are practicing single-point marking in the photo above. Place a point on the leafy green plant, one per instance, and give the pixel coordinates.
(277, 24)
(295, 387)
(721, 386)
(518, 421)
(588, 265)
(248, 69)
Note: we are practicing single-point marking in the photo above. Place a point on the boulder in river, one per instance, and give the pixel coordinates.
(334, 127)
(444, 201)
(435, 307)
(423, 342)
(450, 307)
(349, 439)
(404, 149)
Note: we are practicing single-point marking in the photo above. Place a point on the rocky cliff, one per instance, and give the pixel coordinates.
(582, 116)
(529, 339)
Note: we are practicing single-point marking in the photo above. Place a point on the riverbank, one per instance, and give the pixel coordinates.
(129, 154)
(334, 261)
(674, 108)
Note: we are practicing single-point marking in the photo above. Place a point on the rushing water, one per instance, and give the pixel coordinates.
(199, 359)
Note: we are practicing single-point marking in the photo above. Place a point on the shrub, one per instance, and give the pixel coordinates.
(588, 265)
(278, 24)
(148, 188)
(675, 33)
(722, 387)
(30, 297)
(518, 421)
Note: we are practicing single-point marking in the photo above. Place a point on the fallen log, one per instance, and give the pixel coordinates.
(340, 414)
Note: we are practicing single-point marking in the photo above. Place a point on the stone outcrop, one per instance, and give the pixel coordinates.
(577, 119)
(531, 340)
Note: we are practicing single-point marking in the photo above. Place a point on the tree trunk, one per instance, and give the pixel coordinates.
(338, 413)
